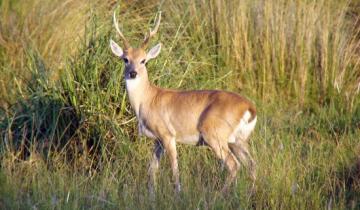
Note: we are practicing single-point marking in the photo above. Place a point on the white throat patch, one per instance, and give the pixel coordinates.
(132, 84)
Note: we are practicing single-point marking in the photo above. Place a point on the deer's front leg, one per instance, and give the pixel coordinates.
(170, 147)
(154, 165)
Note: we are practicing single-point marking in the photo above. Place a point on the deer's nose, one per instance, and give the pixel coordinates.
(132, 74)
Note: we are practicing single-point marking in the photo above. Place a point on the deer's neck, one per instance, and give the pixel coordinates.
(140, 91)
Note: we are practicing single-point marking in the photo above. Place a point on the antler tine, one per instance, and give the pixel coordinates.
(126, 43)
(151, 32)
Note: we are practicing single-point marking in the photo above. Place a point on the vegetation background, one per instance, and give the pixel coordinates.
(68, 137)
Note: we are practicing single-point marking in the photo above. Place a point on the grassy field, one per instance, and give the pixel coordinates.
(69, 140)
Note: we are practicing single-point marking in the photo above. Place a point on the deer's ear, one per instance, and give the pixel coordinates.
(154, 52)
(116, 49)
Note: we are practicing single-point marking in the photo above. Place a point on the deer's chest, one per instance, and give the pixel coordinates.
(144, 130)
(144, 127)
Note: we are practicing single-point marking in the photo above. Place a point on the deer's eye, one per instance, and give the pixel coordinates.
(142, 61)
(126, 60)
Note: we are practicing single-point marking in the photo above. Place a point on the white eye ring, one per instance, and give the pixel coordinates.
(143, 61)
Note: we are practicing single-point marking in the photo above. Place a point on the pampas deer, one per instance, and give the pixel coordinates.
(219, 119)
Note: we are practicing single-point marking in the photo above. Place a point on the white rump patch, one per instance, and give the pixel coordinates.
(243, 129)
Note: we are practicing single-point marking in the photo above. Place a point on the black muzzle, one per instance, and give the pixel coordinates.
(132, 74)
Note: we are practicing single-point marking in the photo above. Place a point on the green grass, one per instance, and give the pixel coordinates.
(69, 140)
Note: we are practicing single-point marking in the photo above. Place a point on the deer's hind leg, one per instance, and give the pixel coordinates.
(241, 150)
(240, 147)
(217, 140)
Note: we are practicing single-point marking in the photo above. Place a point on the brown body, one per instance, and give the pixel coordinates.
(222, 120)
(183, 114)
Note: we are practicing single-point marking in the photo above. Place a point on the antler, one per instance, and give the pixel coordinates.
(126, 43)
(151, 32)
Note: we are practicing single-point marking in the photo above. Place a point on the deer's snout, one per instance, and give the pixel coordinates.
(132, 74)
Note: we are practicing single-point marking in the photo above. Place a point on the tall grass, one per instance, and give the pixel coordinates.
(52, 28)
(69, 138)
(307, 50)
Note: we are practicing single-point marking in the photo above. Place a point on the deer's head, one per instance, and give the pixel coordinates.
(135, 58)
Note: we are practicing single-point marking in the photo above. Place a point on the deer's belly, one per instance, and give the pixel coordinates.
(189, 139)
